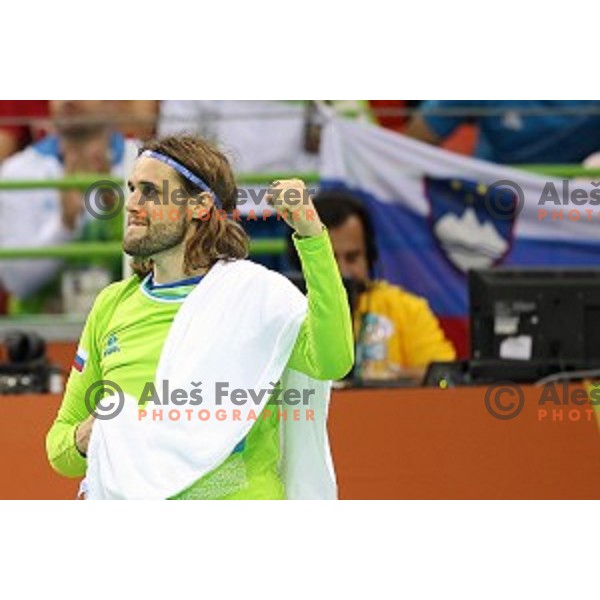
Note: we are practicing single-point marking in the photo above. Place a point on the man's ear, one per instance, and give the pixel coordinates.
(200, 206)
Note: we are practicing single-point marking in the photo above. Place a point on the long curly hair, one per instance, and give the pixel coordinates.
(214, 237)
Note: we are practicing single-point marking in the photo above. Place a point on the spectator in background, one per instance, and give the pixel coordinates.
(397, 335)
(516, 131)
(18, 134)
(23, 122)
(136, 118)
(257, 136)
(84, 143)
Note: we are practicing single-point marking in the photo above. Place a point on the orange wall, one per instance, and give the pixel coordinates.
(387, 444)
(62, 354)
(425, 443)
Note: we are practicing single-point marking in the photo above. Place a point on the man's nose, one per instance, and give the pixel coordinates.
(133, 201)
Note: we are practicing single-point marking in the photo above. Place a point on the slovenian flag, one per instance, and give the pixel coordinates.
(80, 359)
(438, 214)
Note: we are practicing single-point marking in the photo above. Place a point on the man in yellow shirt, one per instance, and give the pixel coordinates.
(396, 332)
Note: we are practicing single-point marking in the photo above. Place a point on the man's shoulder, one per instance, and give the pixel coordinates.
(116, 292)
(397, 294)
(257, 273)
(274, 288)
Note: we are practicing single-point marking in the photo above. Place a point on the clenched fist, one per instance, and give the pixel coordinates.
(292, 201)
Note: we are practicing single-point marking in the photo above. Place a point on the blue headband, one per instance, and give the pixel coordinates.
(183, 171)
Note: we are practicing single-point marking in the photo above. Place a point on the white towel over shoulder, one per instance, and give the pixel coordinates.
(238, 327)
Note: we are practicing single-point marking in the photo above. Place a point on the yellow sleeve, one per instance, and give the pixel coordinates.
(425, 341)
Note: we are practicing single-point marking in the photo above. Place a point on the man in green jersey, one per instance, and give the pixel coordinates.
(179, 188)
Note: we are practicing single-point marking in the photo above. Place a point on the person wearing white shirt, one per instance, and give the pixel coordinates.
(256, 135)
(84, 143)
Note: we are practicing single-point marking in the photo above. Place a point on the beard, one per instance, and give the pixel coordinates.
(157, 237)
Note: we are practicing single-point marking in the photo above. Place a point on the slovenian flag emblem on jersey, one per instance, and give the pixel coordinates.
(80, 360)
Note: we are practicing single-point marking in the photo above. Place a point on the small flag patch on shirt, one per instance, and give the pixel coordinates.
(80, 359)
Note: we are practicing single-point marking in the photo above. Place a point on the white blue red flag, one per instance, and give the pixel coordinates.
(438, 214)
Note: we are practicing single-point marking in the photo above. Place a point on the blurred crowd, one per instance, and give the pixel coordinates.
(504, 131)
(54, 139)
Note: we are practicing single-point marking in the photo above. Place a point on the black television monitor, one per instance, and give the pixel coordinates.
(545, 314)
